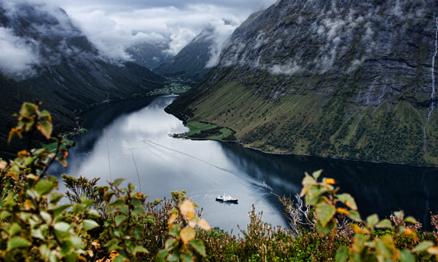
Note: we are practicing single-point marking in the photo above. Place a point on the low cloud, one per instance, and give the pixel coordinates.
(17, 56)
(114, 26)
(222, 34)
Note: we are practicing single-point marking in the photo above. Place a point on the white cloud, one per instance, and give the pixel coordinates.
(17, 56)
(114, 26)
(222, 34)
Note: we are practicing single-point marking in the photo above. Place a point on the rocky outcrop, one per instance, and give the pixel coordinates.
(345, 79)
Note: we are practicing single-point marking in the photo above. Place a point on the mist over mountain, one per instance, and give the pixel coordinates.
(50, 60)
(343, 79)
(150, 55)
(200, 55)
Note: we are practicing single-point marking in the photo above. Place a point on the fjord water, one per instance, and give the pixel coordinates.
(137, 146)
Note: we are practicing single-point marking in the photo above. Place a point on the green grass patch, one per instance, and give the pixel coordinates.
(205, 130)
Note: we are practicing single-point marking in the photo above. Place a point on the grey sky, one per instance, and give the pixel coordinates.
(114, 25)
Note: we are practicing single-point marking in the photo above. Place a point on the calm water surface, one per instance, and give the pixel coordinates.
(136, 146)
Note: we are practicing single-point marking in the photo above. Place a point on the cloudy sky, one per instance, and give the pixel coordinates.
(114, 25)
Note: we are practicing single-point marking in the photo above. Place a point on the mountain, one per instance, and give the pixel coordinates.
(190, 63)
(342, 79)
(53, 62)
(150, 55)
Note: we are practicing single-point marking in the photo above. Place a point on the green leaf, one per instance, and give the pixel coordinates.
(308, 180)
(45, 128)
(90, 224)
(118, 182)
(381, 249)
(198, 246)
(399, 214)
(56, 197)
(173, 258)
(119, 258)
(170, 244)
(342, 254)
(317, 174)
(411, 220)
(17, 242)
(355, 216)
(37, 233)
(161, 256)
(44, 186)
(423, 246)
(14, 229)
(119, 219)
(406, 256)
(186, 258)
(325, 213)
(28, 110)
(93, 213)
(4, 215)
(62, 227)
(46, 216)
(372, 220)
(59, 209)
(385, 223)
(325, 230)
(140, 250)
(348, 200)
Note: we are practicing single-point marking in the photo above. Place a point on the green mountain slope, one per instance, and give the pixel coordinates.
(343, 80)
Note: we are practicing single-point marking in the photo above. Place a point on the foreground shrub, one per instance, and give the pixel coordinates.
(101, 223)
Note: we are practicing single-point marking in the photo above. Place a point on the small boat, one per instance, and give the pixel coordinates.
(227, 199)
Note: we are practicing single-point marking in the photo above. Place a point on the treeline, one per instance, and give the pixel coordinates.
(114, 222)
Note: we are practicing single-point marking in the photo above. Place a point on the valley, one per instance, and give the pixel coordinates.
(250, 130)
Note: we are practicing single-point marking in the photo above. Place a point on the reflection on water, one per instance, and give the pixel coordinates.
(137, 146)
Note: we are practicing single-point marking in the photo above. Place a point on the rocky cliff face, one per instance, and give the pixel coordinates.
(345, 79)
(59, 66)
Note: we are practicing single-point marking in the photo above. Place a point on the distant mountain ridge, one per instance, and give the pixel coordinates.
(70, 75)
(150, 55)
(343, 79)
(190, 64)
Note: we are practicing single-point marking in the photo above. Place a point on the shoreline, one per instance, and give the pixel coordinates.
(246, 146)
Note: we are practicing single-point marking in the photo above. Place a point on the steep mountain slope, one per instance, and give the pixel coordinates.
(190, 63)
(150, 55)
(67, 72)
(343, 79)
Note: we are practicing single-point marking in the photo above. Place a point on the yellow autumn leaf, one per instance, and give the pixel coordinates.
(23, 153)
(96, 244)
(113, 256)
(14, 132)
(187, 209)
(3, 164)
(187, 234)
(433, 251)
(329, 181)
(360, 230)
(172, 219)
(410, 233)
(202, 223)
(28, 204)
(343, 211)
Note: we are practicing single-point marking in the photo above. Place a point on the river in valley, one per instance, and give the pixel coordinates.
(132, 140)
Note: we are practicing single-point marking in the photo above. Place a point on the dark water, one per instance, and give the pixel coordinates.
(137, 146)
